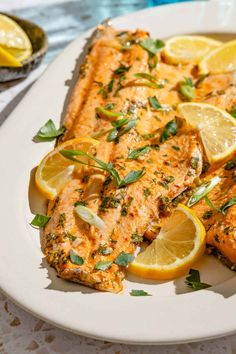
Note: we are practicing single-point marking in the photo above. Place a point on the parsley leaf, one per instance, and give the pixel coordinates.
(136, 237)
(154, 103)
(122, 69)
(228, 204)
(103, 265)
(135, 292)
(134, 154)
(48, 132)
(131, 177)
(193, 280)
(124, 259)
(170, 129)
(75, 259)
(152, 46)
(40, 220)
(124, 124)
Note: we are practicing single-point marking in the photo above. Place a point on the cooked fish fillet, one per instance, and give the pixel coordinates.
(168, 170)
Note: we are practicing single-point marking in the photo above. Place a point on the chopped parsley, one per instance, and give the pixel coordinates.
(230, 165)
(135, 292)
(154, 103)
(186, 88)
(62, 220)
(207, 215)
(125, 206)
(169, 130)
(109, 202)
(40, 220)
(134, 154)
(124, 259)
(80, 202)
(136, 237)
(194, 162)
(75, 259)
(227, 205)
(152, 46)
(146, 192)
(193, 280)
(48, 132)
(176, 148)
(103, 265)
(122, 69)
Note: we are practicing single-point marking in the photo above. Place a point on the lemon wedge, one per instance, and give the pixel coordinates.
(188, 49)
(55, 170)
(14, 40)
(6, 59)
(217, 128)
(180, 243)
(222, 59)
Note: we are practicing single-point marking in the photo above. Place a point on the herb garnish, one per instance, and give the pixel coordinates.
(187, 89)
(152, 46)
(131, 177)
(75, 259)
(109, 202)
(62, 220)
(150, 80)
(40, 220)
(48, 132)
(230, 165)
(233, 112)
(134, 154)
(154, 103)
(227, 205)
(169, 130)
(87, 215)
(107, 112)
(193, 280)
(103, 265)
(122, 126)
(207, 215)
(136, 237)
(80, 202)
(124, 259)
(135, 292)
(122, 69)
(194, 162)
(202, 190)
(146, 192)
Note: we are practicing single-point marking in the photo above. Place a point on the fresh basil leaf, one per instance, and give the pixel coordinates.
(169, 130)
(124, 259)
(193, 280)
(202, 190)
(103, 265)
(87, 215)
(48, 132)
(75, 259)
(154, 103)
(122, 69)
(227, 205)
(134, 154)
(152, 46)
(135, 292)
(131, 177)
(40, 220)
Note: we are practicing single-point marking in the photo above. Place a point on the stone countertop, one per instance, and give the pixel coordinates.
(20, 332)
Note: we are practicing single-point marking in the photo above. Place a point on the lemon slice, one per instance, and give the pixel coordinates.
(188, 49)
(55, 170)
(222, 59)
(217, 128)
(180, 243)
(6, 59)
(14, 40)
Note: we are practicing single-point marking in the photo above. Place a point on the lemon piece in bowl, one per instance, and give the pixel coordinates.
(180, 243)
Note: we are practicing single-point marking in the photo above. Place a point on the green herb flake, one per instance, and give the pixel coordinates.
(75, 259)
(193, 280)
(146, 192)
(187, 89)
(124, 259)
(169, 130)
(176, 148)
(230, 165)
(152, 46)
(109, 202)
(207, 215)
(227, 205)
(80, 202)
(48, 132)
(150, 81)
(233, 112)
(122, 69)
(103, 265)
(135, 292)
(40, 220)
(134, 154)
(154, 103)
(103, 92)
(62, 220)
(136, 237)
(107, 113)
(110, 85)
(194, 162)
(131, 177)
(200, 80)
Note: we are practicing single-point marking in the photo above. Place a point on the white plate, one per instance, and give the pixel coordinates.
(172, 314)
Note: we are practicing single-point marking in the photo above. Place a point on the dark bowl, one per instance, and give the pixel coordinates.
(39, 42)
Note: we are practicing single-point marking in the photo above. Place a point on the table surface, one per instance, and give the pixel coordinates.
(20, 332)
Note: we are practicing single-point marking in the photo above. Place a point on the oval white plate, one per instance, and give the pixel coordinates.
(173, 314)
